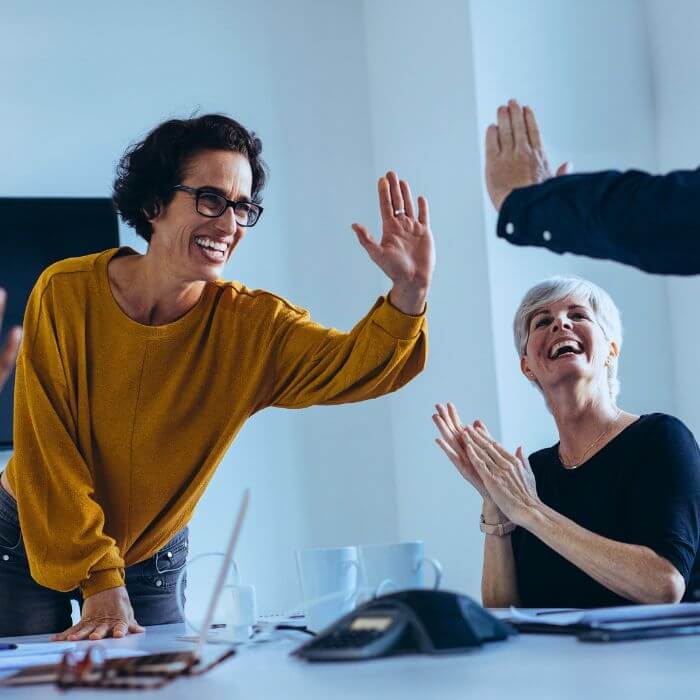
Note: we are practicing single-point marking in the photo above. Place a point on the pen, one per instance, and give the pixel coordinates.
(4, 646)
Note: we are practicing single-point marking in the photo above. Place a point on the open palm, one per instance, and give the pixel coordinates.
(406, 251)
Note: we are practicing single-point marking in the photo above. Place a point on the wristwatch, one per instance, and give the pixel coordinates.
(500, 530)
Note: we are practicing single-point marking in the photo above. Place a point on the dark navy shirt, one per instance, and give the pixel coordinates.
(642, 488)
(649, 221)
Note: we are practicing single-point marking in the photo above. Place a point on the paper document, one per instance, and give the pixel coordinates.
(595, 616)
(37, 649)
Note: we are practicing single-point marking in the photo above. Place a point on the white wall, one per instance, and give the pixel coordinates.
(423, 123)
(675, 71)
(584, 68)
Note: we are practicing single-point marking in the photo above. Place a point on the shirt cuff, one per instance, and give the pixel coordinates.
(396, 323)
(509, 226)
(101, 581)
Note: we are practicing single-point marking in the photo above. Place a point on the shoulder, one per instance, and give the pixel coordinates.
(65, 276)
(68, 270)
(666, 444)
(662, 428)
(236, 296)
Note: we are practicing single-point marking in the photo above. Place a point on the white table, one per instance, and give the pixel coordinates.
(528, 666)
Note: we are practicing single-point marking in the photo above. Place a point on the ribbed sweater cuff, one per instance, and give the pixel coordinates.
(396, 323)
(102, 581)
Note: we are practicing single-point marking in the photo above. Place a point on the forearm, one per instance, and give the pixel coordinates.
(499, 587)
(632, 571)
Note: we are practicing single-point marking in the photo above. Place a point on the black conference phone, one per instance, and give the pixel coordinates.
(411, 621)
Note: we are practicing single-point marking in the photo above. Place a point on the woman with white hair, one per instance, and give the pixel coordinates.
(611, 513)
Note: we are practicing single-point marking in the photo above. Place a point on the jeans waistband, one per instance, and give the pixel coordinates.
(8, 506)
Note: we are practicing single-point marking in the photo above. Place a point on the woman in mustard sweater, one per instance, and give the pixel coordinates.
(137, 372)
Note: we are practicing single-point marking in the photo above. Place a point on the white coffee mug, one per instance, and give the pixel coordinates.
(237, 603)
(330, 582)
(396, 566)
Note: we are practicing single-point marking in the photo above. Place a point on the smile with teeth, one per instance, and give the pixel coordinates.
(565, 347)
(213, 250)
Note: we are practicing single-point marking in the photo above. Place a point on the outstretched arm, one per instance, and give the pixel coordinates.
(648, 221)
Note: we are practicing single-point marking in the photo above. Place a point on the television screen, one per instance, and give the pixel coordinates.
(36, 233)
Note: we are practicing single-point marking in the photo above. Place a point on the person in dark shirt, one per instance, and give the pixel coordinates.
(611, 513)
(633, 217)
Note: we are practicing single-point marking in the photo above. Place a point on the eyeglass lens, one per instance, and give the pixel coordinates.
(212, 205)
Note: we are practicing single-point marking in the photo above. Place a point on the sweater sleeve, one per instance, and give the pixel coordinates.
(648, 221)
(62, 525)
(318, 365)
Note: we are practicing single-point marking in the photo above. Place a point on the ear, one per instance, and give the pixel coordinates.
(525, 369)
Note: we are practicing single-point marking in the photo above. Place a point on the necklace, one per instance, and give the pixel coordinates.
(572, 464)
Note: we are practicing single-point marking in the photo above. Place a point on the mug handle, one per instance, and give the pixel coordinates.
(329, 597)
(437, 570)
(355, 593)
(381, 589)
(181, 578)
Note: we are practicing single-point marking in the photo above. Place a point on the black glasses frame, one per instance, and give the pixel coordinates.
(198, 192)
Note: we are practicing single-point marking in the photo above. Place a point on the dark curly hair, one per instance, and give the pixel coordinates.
(149, 170)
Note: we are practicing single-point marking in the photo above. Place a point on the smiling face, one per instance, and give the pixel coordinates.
(194, 247)
(566, 344)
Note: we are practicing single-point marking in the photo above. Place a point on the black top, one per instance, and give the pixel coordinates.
(642, 488)
(649, 221)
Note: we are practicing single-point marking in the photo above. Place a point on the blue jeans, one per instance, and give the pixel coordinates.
(29, 608)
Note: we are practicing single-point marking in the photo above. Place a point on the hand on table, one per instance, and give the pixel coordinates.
(514, 153)
(8, 352)
(508, 478)
(406, 252)
(105, 614)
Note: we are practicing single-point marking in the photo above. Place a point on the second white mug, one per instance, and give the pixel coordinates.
(397, 566)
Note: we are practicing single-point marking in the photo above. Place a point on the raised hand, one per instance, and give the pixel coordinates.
(406, 252)
(8, 352)
(514, 153)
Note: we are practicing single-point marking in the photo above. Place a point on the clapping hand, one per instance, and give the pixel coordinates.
(514, 153)
(453, 444)
(507, 478)
(406, 251)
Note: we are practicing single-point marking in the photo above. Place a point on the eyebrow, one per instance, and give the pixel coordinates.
(218, 190)
(547, 311)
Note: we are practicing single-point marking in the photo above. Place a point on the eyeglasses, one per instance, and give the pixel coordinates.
(212, 205)
(147, 672)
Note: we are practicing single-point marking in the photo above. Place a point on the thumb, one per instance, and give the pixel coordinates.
(565, 168)
(520, 454)
(366, 240)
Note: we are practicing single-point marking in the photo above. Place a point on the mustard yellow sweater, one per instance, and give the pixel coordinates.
(118, 426)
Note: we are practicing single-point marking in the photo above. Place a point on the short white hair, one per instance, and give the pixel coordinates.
(607, 315)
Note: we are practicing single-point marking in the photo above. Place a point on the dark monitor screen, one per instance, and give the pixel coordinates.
(36, 233)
